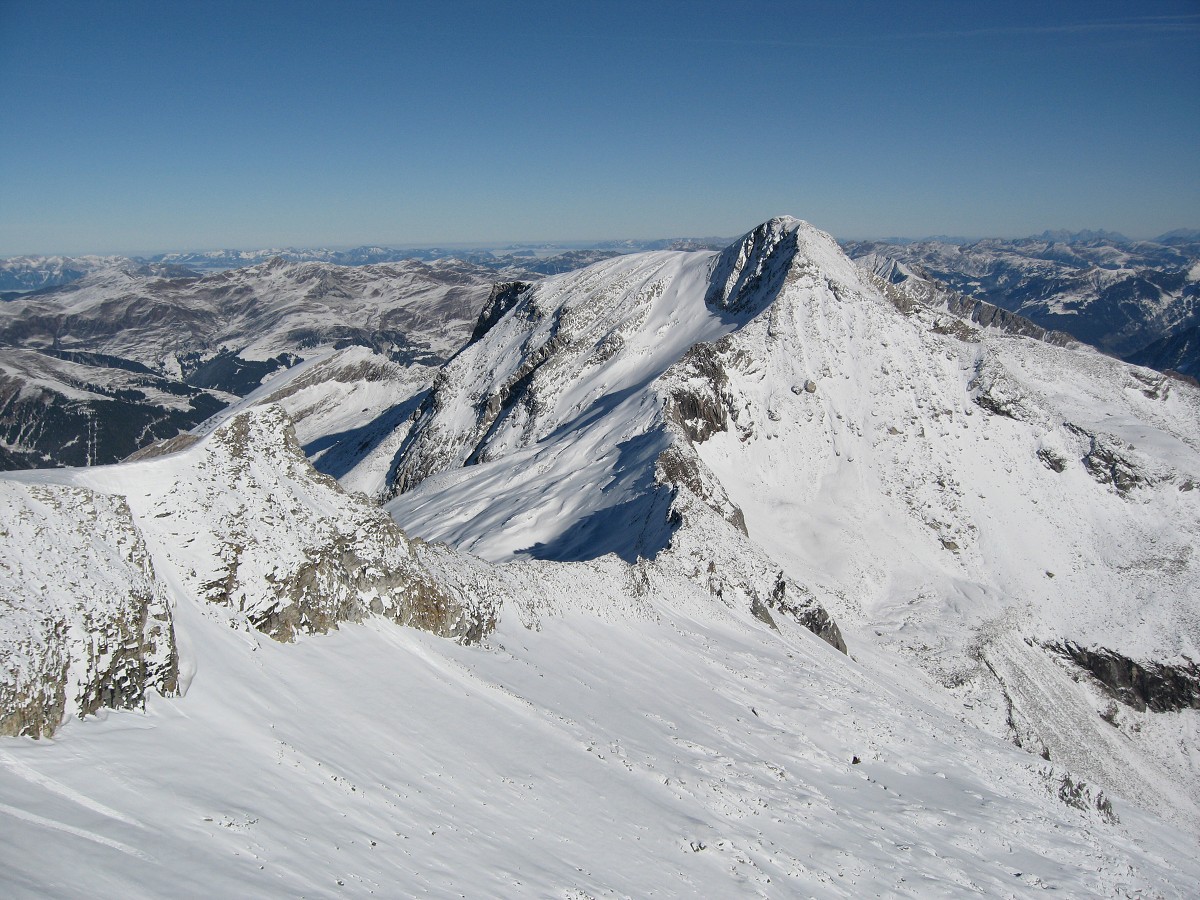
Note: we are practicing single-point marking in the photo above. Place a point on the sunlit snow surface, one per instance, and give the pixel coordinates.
(689, 755)
(626, 733)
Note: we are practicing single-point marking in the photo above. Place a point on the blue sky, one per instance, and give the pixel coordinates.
(140, 127)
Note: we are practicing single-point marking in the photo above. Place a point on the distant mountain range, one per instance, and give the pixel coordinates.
(116, 353)
(1128, 298)
(93, 370)
(29, 273)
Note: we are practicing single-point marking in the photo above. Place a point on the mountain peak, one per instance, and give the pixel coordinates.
(748, 274)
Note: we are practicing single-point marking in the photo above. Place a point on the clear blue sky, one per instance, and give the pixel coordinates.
(140, 127)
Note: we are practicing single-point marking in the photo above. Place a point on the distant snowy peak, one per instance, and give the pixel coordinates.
(1086, 236)
(32, 273)
(570, 401)
(1179, 236)
(748, 274)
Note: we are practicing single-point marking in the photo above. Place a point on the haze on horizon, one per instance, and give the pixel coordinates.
(144, 127)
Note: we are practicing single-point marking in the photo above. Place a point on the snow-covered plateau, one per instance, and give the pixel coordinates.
(752, 572)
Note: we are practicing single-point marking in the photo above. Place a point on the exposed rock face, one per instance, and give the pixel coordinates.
(503, 297)
(84, 623)
(1159, 687)
(748, 274)
(291, 551)
(994, 391)
(700, 402)
(1107, 460)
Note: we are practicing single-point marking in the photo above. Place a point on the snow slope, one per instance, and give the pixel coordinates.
(677, 750)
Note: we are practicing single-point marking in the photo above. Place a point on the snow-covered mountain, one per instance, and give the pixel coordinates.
(63, 408)
(256, 314)
(1103, 289)
(776, 563)
(1010, 516)
(151, 352)
(32, 273)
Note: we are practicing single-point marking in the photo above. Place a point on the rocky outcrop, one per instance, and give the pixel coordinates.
(1159, 687)
(699, 400)
(789, 598)
(84, 622)
(242, 522)
(1107, 460)
(994, 389)
(292, 552)
(504, 296)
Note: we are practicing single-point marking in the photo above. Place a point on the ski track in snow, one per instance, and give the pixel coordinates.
(69, 829)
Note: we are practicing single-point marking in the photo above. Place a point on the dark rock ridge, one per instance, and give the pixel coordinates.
(1159, 687)
(908, 287)
(699, 401)
(504, 296)
(989, 315)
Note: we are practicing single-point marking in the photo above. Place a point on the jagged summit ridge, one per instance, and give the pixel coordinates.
(747, 275)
